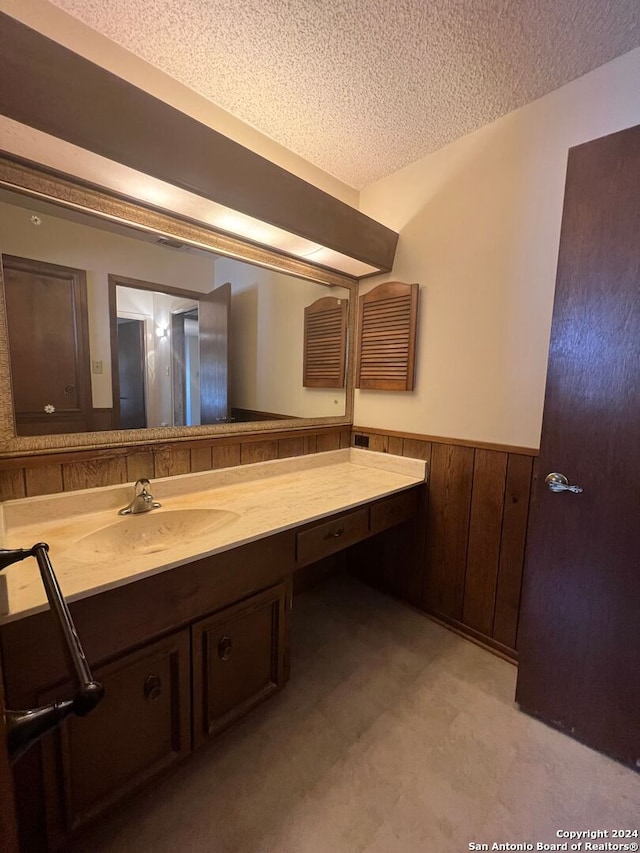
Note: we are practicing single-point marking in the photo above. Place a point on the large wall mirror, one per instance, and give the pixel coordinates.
(116, 330)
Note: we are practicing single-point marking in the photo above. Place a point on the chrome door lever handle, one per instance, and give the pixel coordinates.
(558, 483)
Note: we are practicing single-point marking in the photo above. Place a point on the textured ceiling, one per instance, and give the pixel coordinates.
(361, 88)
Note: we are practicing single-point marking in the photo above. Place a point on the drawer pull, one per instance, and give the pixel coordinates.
(335, 535)
(225, 647)
(152, 687)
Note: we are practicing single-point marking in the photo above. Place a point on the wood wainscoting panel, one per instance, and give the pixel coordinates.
(514, 534)
(139, 466)
(200, 459)
(450, 485)
(485, 529)
(259, 451)
(415, 448)
(12, 485)
(44, 480)
(468, 558)
(379, 443)
(171, 461)
(394, 445)
(329, 441)
(291, 447)
(311, 444)
(94, 472)
(225, 455)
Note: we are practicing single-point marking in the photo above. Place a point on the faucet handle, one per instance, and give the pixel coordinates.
(145, 493)
(143, 483)
(142, 499)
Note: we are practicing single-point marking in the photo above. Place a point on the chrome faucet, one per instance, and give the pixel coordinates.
(142, 499)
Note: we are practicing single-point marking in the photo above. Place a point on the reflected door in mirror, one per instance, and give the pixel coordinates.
(131, 361)
(48, 346)
(213, 316)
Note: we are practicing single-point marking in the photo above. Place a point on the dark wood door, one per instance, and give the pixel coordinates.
(48, 332)
(131, 362)
(213, 317)
(238, 660)
(178, 369)
(580, 635)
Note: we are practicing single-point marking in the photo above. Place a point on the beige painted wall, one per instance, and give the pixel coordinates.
(479, 225)
(68, 31)
(266, 342)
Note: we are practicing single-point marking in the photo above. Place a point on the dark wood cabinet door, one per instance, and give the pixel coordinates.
(238, 660)
(8, 825)
(141, 727)
(49, 347)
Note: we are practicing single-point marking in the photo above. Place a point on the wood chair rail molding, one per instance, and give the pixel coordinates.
(383, 440)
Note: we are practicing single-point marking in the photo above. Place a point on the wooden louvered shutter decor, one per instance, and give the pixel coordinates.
(325, 343)
(387, 337)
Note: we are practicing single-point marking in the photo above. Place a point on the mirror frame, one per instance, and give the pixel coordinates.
(30, 180)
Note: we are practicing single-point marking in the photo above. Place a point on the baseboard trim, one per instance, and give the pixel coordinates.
(491, 645)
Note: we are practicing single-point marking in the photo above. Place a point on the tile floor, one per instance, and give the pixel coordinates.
(393, 736)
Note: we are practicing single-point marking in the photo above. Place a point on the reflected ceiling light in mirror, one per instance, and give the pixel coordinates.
(52, 153)
(260, 232)
(336, 260)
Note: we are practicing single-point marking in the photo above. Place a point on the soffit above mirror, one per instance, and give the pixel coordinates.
(31, 145)
(95, 126)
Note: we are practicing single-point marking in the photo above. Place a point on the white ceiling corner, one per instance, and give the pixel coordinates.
(361, 88)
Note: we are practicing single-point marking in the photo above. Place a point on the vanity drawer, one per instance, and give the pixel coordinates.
(330, 536)
(393, 510)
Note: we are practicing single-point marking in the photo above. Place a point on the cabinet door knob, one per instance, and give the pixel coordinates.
(225, 647)
(152, 687)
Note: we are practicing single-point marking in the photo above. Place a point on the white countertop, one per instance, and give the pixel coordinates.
(266, 497)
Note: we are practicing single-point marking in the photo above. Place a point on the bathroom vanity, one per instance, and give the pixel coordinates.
(185, 620)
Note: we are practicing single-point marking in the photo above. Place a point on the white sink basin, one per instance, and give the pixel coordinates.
(152, 532)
